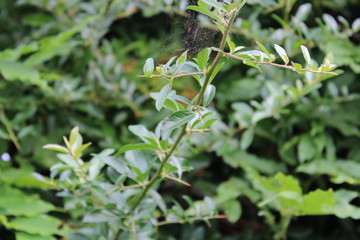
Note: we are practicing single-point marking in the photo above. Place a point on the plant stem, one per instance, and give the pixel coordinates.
(9, 129)
(157, 175)
(158, 172)
(278, 65)
(217, 58)
(192, 219)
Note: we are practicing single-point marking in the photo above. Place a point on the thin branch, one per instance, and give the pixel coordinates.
(118, 189)
(278, 65)
(217, 58)
(178, 180)
(9, 129)
(158, 172)
(157, 175)
(198, 130)
(175, 76)
(192, 220)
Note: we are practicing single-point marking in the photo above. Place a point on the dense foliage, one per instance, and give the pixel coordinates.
(274, 155)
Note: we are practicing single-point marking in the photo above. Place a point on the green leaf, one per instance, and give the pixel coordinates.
(17, 203)
(159, 200)
(318, 202)
(161, 96)
(280, 192)
(298, 67)
(247, 138)
(216, 70)
(210, 205)
(355, 26)
(139, 146)
(24, 178)
(282, 53)
(182, 58)
(231, 44)
(177, 119)
(203, 8)
(306, 148)
(330, 22)
(20, 50)
(96, 164)
(171, 105)
(251, 64)
(209, 94)
(203, 58)
(119, 165)
(82, 148)
(56, 147)
(12, 71)
(233, 210)
(238, 158)
(141, 131)
(148, 67)
(208, 123)
(42, 225)
(303, 11)
(71, 162)
(264, 49)
(306, 54)
(169, 168)
(59, 44)
(214, 3)
(99, 216)
(26, 236)
(343, 208)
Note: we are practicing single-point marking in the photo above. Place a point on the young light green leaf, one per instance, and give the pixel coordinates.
(182, 58)
(231, 44)
(82, 148)
(264, 49)
(282, 53)
(209, 94)
(149, 67)
(73, 135)
(251, 64)
(318, 202)
(306, 54)
(238, 48)
(298, 67)
(56, 148)
(177, 119)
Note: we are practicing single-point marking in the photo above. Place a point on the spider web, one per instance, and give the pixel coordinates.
(191, 31)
